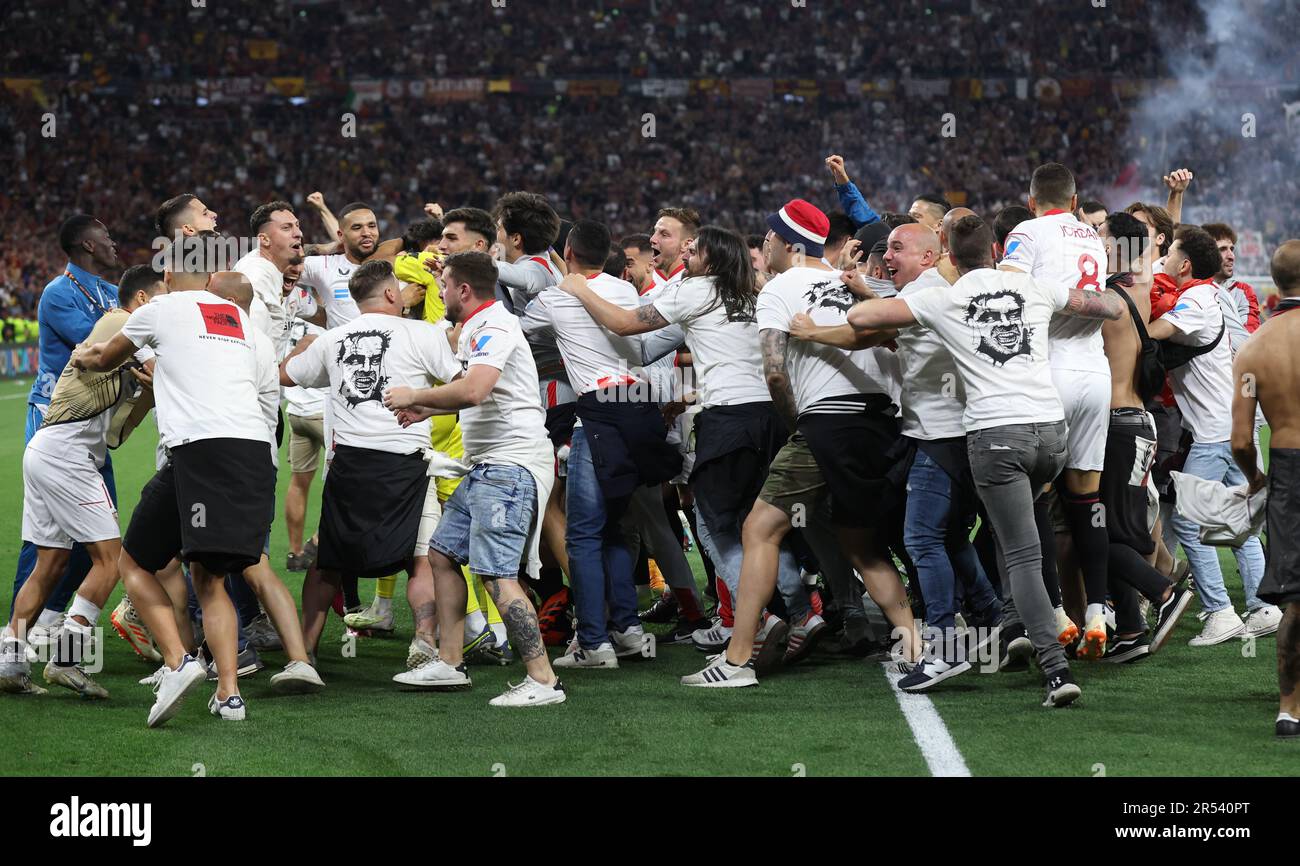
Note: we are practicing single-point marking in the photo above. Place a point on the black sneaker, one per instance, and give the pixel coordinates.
(1126, 650)
(1287, 729)
(1014, 648)
(1167, 618)
(929, 673)
(663, 610)
(682, 633)
(1062, 690)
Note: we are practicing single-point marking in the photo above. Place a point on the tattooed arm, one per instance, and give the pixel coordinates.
(774, 343)
(1085, 304)
(612, 317)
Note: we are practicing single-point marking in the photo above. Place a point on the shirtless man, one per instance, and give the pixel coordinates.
(1267, 370)
(1130, 451)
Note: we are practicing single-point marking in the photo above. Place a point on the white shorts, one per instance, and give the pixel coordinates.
(429, 518)
(65, 502)
(1086, 398)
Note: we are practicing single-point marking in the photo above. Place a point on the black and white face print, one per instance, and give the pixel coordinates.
(361, 357)
(998, 329)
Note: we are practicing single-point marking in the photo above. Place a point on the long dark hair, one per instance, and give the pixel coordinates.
(727, 261)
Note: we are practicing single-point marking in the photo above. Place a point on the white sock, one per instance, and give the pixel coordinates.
(48, 617)
(499, 633)
(382, 605)
(83, 608)
(474, 624)
(1286, 717)
(1094, 611)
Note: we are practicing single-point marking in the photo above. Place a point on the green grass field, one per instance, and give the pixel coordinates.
(1183, 712)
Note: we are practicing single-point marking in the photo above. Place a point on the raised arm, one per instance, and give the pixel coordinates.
(773, 344)
(1177, 181)
(331, 222)
(1087, 304)
(612, 317)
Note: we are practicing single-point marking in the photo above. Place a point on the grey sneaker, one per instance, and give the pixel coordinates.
(247, 662)
(262, 634)
(74, 678)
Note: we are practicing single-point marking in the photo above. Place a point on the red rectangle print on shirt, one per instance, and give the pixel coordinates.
(222, 319)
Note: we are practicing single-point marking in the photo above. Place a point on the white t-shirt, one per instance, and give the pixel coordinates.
(362, 359)
(1062, 253)
(328, 276)
(593, 357)
(933, 399)
(271, 311)
(724, 351)
(994, 324)
(1203, 386)
(211, 377)
(300, 401)
(816, 371)
(512, 415)
(660, 280)
(519, 283)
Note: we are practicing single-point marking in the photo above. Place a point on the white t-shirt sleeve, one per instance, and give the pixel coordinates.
(314, 277)
(1060, 295)
(536, 317)
(307, 305)
(269, 383)
(1190, 317)
(1021, 248)
(308, 369)
(773, 312)
(435, 354)
(679, 303)
(490, 345)
(927, 305)
(142, 326)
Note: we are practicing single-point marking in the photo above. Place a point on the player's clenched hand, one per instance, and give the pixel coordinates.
(407, 417)
(316, 200)
(835, 163)
(856, 284)
(850, 255)
(802, 326)
(1178, 180)
(573, 283)
(433, 209)
(399, 397)
(434, 266)
(143, 375)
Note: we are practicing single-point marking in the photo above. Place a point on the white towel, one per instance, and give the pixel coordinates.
(1227, 515)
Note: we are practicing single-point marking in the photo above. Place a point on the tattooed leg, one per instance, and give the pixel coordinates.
(420, 595)
(521, 624)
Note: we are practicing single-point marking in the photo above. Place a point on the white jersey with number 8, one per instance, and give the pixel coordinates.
(1059, 251)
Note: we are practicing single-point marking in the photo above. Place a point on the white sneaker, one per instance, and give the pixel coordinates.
(436, 674)
(297, 678)
(602, 656)
(229, 710)
(1220, 626)
(154, 678)
(721, 674)
(420, 653)
(712, 640)
(530, 693)
(633, 642)
(171, 688)
(16, 671)
(1263, 620)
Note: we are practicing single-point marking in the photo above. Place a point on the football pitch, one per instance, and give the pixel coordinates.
(1185, 711)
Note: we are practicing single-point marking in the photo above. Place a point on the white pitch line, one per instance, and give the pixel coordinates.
(929, 731)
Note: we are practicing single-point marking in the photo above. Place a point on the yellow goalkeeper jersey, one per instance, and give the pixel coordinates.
(445, 433)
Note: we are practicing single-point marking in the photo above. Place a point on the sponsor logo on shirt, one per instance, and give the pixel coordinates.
(1012, 246)
(222, 319)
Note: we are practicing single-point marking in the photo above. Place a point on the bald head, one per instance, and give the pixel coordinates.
(1285, 268)
(234, 287)
(912, 249)
(945, 230)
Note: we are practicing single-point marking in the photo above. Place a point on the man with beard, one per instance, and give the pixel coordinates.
(994, 324)
(70, 305)
(673, 228)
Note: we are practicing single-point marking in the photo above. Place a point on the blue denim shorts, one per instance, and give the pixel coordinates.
(487, 521)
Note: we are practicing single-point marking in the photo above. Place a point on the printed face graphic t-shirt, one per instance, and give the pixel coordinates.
(209, 370)
(818, 372)
(994, 324)
(359, 361)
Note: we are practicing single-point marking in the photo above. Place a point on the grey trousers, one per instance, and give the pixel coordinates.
(1010, 465)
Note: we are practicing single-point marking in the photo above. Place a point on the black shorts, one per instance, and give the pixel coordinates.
(212, 503)
(858, 456)
(1281, 583)
(370, 511)
(559, 423)
(1130, 454)
(734, 445)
